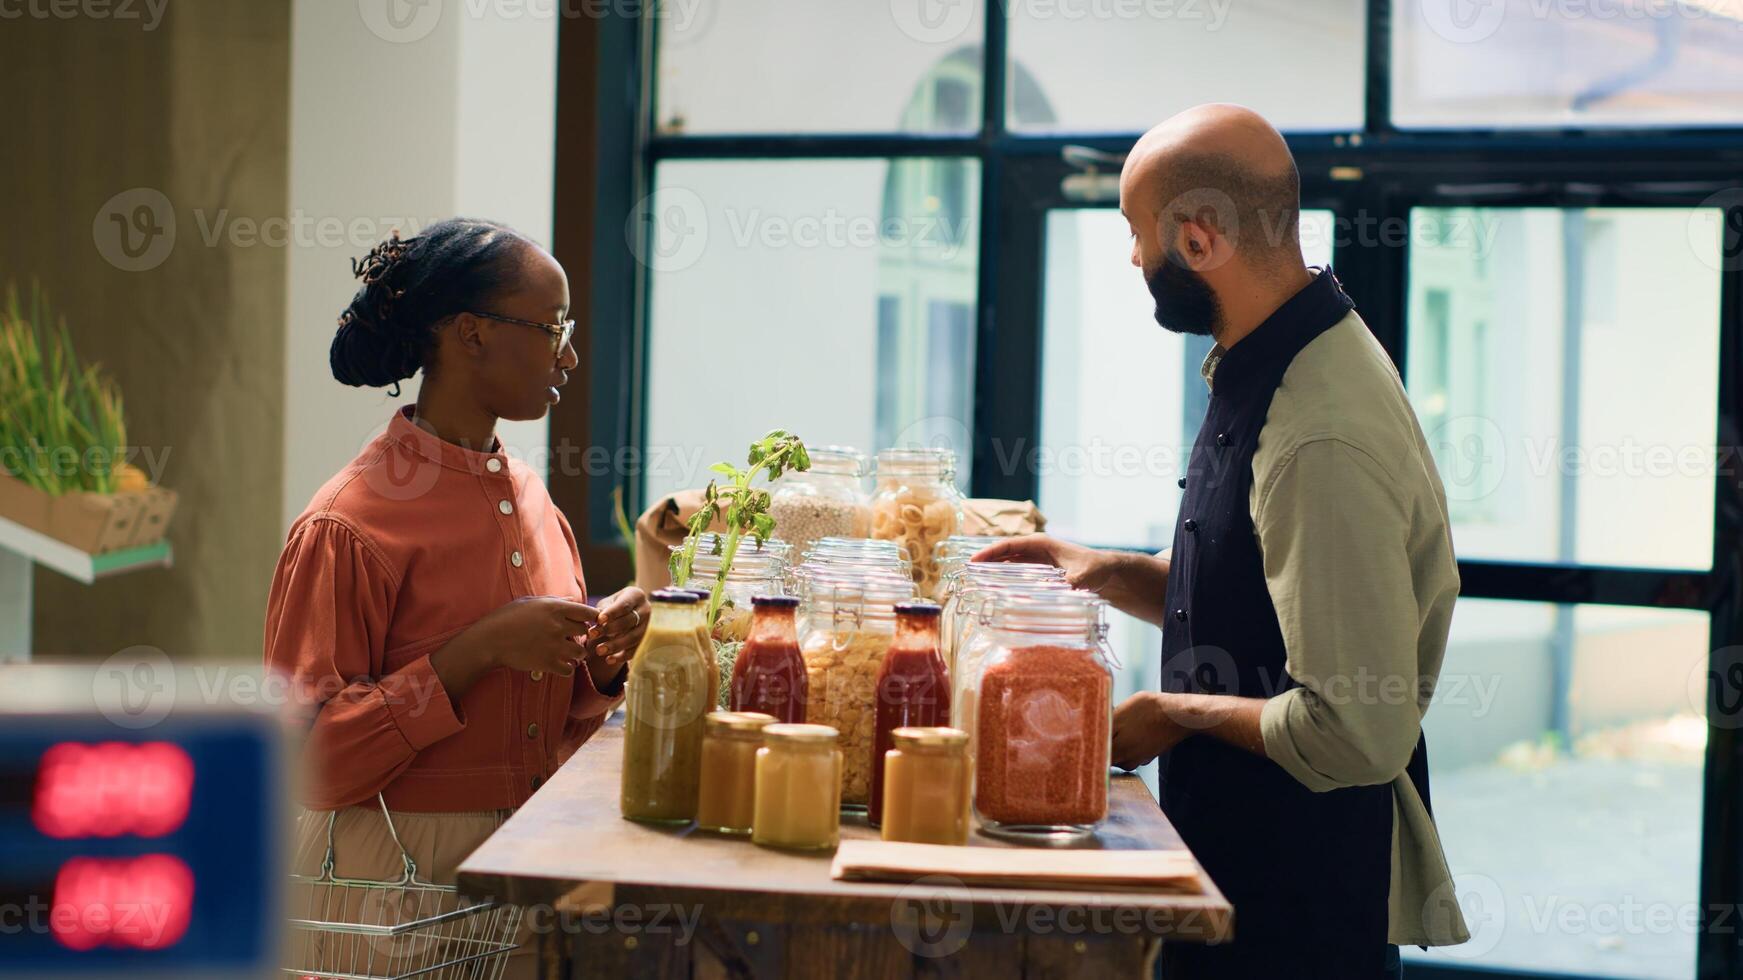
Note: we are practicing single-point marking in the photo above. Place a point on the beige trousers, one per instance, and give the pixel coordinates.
(364, 849)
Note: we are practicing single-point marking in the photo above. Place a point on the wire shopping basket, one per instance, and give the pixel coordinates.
(356, 929)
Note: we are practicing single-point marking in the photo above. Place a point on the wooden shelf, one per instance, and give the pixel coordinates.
(76, 564)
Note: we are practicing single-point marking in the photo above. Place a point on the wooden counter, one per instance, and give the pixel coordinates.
(623, 892)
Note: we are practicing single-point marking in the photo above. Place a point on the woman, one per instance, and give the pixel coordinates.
(429, 605)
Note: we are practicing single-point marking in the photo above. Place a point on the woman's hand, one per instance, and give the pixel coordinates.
(623, 619)
(530, 633)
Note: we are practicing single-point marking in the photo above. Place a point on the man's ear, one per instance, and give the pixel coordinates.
(1204, 246)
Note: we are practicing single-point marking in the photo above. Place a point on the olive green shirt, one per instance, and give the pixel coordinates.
(1352, 525)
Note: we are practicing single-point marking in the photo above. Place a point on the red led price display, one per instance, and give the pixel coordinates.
(112, 789)
(139, 903)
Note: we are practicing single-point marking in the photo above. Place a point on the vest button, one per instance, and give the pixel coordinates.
(1180, 614)
(1190, 525)
(1222, 438)
(1181, 483)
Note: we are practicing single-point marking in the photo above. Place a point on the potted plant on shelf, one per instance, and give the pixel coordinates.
(63, 441)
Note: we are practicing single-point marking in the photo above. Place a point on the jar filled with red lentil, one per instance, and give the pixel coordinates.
(1042, 702)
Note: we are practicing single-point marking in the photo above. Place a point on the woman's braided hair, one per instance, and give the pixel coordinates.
(410, 286)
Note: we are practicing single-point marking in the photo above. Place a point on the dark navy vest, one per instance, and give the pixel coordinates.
(1309, 873)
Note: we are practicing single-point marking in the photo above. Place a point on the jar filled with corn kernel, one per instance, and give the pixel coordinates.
(850, 621)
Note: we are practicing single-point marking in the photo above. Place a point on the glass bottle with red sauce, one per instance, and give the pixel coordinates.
(769, 675)
(913, 689)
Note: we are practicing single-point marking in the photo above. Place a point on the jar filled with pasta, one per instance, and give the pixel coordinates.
(827, 500)
(1043, 710)
(917, 505)
(850, 622)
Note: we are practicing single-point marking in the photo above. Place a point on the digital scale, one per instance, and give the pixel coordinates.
(135, 849)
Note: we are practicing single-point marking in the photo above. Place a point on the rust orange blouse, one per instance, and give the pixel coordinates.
(407, 546)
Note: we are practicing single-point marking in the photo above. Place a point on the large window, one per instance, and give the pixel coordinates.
(882, 223)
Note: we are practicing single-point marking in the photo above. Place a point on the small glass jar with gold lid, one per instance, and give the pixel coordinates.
(726, 801)
(798, 788)
(927, 776)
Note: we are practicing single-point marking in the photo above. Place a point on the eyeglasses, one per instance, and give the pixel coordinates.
(560, 332)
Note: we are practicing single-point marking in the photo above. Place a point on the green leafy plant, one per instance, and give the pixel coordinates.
(746, 509)
(61, 424)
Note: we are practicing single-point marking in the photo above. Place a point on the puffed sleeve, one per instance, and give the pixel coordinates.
(326, 626)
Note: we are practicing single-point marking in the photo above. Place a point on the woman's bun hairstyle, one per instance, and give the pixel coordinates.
(410, 286)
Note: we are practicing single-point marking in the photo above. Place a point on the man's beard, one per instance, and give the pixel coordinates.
(1185, 303)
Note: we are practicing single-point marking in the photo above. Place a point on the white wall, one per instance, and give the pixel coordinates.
(452, 114)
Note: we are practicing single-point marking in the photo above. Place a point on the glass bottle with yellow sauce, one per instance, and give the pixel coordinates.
(798, 794)
(727, 801)
(669, 692)
(927, 775)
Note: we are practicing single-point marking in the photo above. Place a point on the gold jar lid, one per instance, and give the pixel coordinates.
(929, 738)
(737, 721)
(800, 734)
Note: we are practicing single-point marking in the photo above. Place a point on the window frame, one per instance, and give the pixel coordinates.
(609, 145)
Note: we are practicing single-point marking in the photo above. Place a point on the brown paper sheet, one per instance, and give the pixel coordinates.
(1019, 867)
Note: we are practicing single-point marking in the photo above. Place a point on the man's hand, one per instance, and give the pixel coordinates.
(1135, 584)
(1085, 568)
(1150, 723)
(1144, 728)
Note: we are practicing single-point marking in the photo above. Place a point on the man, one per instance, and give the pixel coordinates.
(1306, 600)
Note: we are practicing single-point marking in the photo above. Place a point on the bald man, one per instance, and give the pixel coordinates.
(1306, 601)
